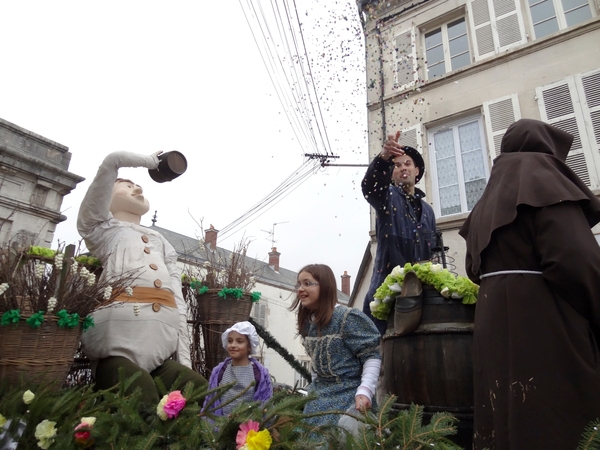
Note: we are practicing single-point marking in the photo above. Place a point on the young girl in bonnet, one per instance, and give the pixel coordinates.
(240, 341)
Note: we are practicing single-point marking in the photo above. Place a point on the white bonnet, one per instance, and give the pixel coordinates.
(245, 328)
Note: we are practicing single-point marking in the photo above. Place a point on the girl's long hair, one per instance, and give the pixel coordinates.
(321, 316)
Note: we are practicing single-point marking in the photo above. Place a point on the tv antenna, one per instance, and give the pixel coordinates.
(271, 232)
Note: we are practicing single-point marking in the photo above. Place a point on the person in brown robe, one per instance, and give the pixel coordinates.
(537, 321)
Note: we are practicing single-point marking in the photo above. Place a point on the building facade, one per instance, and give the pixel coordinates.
(34, 178)
(452, 75)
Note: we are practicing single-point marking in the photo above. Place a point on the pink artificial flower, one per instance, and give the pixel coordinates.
(174, 404)
(83, 437)
(242, 434)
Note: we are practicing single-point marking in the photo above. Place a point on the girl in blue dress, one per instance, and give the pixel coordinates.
(342, 342)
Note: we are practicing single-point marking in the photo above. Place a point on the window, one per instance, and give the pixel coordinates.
(459, 165)
(573, 105)
(549, 16)
(447, 48)
(259, 313)
(38, 198)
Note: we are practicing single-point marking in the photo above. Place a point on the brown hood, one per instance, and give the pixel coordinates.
(530, 170)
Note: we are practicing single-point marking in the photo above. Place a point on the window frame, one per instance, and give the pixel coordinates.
(559, 14)
(445, 43)
(454, 123)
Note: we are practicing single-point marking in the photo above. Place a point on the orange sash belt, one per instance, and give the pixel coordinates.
(148, 295)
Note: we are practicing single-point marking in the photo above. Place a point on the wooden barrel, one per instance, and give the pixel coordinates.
(433, 365)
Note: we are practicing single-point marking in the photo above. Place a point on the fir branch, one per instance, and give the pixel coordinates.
(272, 343)
(590, 439)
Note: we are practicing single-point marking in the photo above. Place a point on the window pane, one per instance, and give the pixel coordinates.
(446, 172)
(444, 144)
(435, 55)
(456, 29)
(474, 191)
(461, 61)
(545, 28)
(433, 38)
(542, 10)
(578, 15)
(459, 45)
(468, 136)
(450, 200)
(436, 70)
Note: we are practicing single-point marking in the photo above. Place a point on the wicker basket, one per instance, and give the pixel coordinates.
(216, 315)
(35, 355)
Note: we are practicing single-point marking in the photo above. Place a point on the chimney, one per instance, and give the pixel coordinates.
(346, 283)
(210, 237)
(274, 259)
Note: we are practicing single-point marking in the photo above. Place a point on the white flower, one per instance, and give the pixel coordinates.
(3, 288)
(88, 421)
(397, 271)
(107, 292)
(252, 280)
(58, 260)
(45, 433)
(395, 287)
(136, 309)
(28, 397)
(51, 304)
(206, 264)
(436, 268)
(387, 299)
(74, 266)
(129, 291)
(456, 295)
(445, 292)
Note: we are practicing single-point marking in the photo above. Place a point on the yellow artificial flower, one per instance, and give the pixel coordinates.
(259, 440)
(28, 397)
(160, 409)
(45, 433)
(2, 420)
(88, 421)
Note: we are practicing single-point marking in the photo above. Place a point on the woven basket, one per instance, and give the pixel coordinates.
(216, 315)
(35, 355)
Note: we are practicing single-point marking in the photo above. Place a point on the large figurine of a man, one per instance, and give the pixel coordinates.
(138, 332)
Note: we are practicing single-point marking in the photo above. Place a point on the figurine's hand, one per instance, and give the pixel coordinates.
(155, 159)
(362, 403)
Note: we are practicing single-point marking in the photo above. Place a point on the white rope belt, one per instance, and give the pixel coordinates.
(511, 272)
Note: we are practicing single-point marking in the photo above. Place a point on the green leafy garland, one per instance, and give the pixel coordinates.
(236, 293)
(272, 343)
(444, 281)
(65, 320)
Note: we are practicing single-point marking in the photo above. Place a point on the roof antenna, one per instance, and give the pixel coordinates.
(154, 219)
(271, 233)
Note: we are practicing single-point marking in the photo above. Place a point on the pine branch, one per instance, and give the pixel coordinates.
(590, 439)
(272, 343)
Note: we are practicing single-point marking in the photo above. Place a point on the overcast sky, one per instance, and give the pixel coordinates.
(144, 76)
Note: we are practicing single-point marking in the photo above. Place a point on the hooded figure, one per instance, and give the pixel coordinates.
(537, 322)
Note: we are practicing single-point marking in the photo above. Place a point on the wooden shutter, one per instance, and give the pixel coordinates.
(588, 85)
(406, 58)
(559, 105)
(413, 137)
(499, 114)
(496, 24)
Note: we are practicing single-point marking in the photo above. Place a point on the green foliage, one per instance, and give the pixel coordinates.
(41, 251)
(591, 437)
(123, 422)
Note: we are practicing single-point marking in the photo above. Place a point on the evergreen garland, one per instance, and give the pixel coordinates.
(273, 344)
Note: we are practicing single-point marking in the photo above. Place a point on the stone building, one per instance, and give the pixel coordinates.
(453, 75)
(34, 178)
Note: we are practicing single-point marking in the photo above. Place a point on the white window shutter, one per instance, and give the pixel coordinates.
(509, 24)
(406, 59)
(480, 20)
(588, 85)
(499, 114)
(560, 106)
(496, 24)
(413, 137)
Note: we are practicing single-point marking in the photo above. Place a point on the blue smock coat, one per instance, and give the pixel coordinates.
(401, 237)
